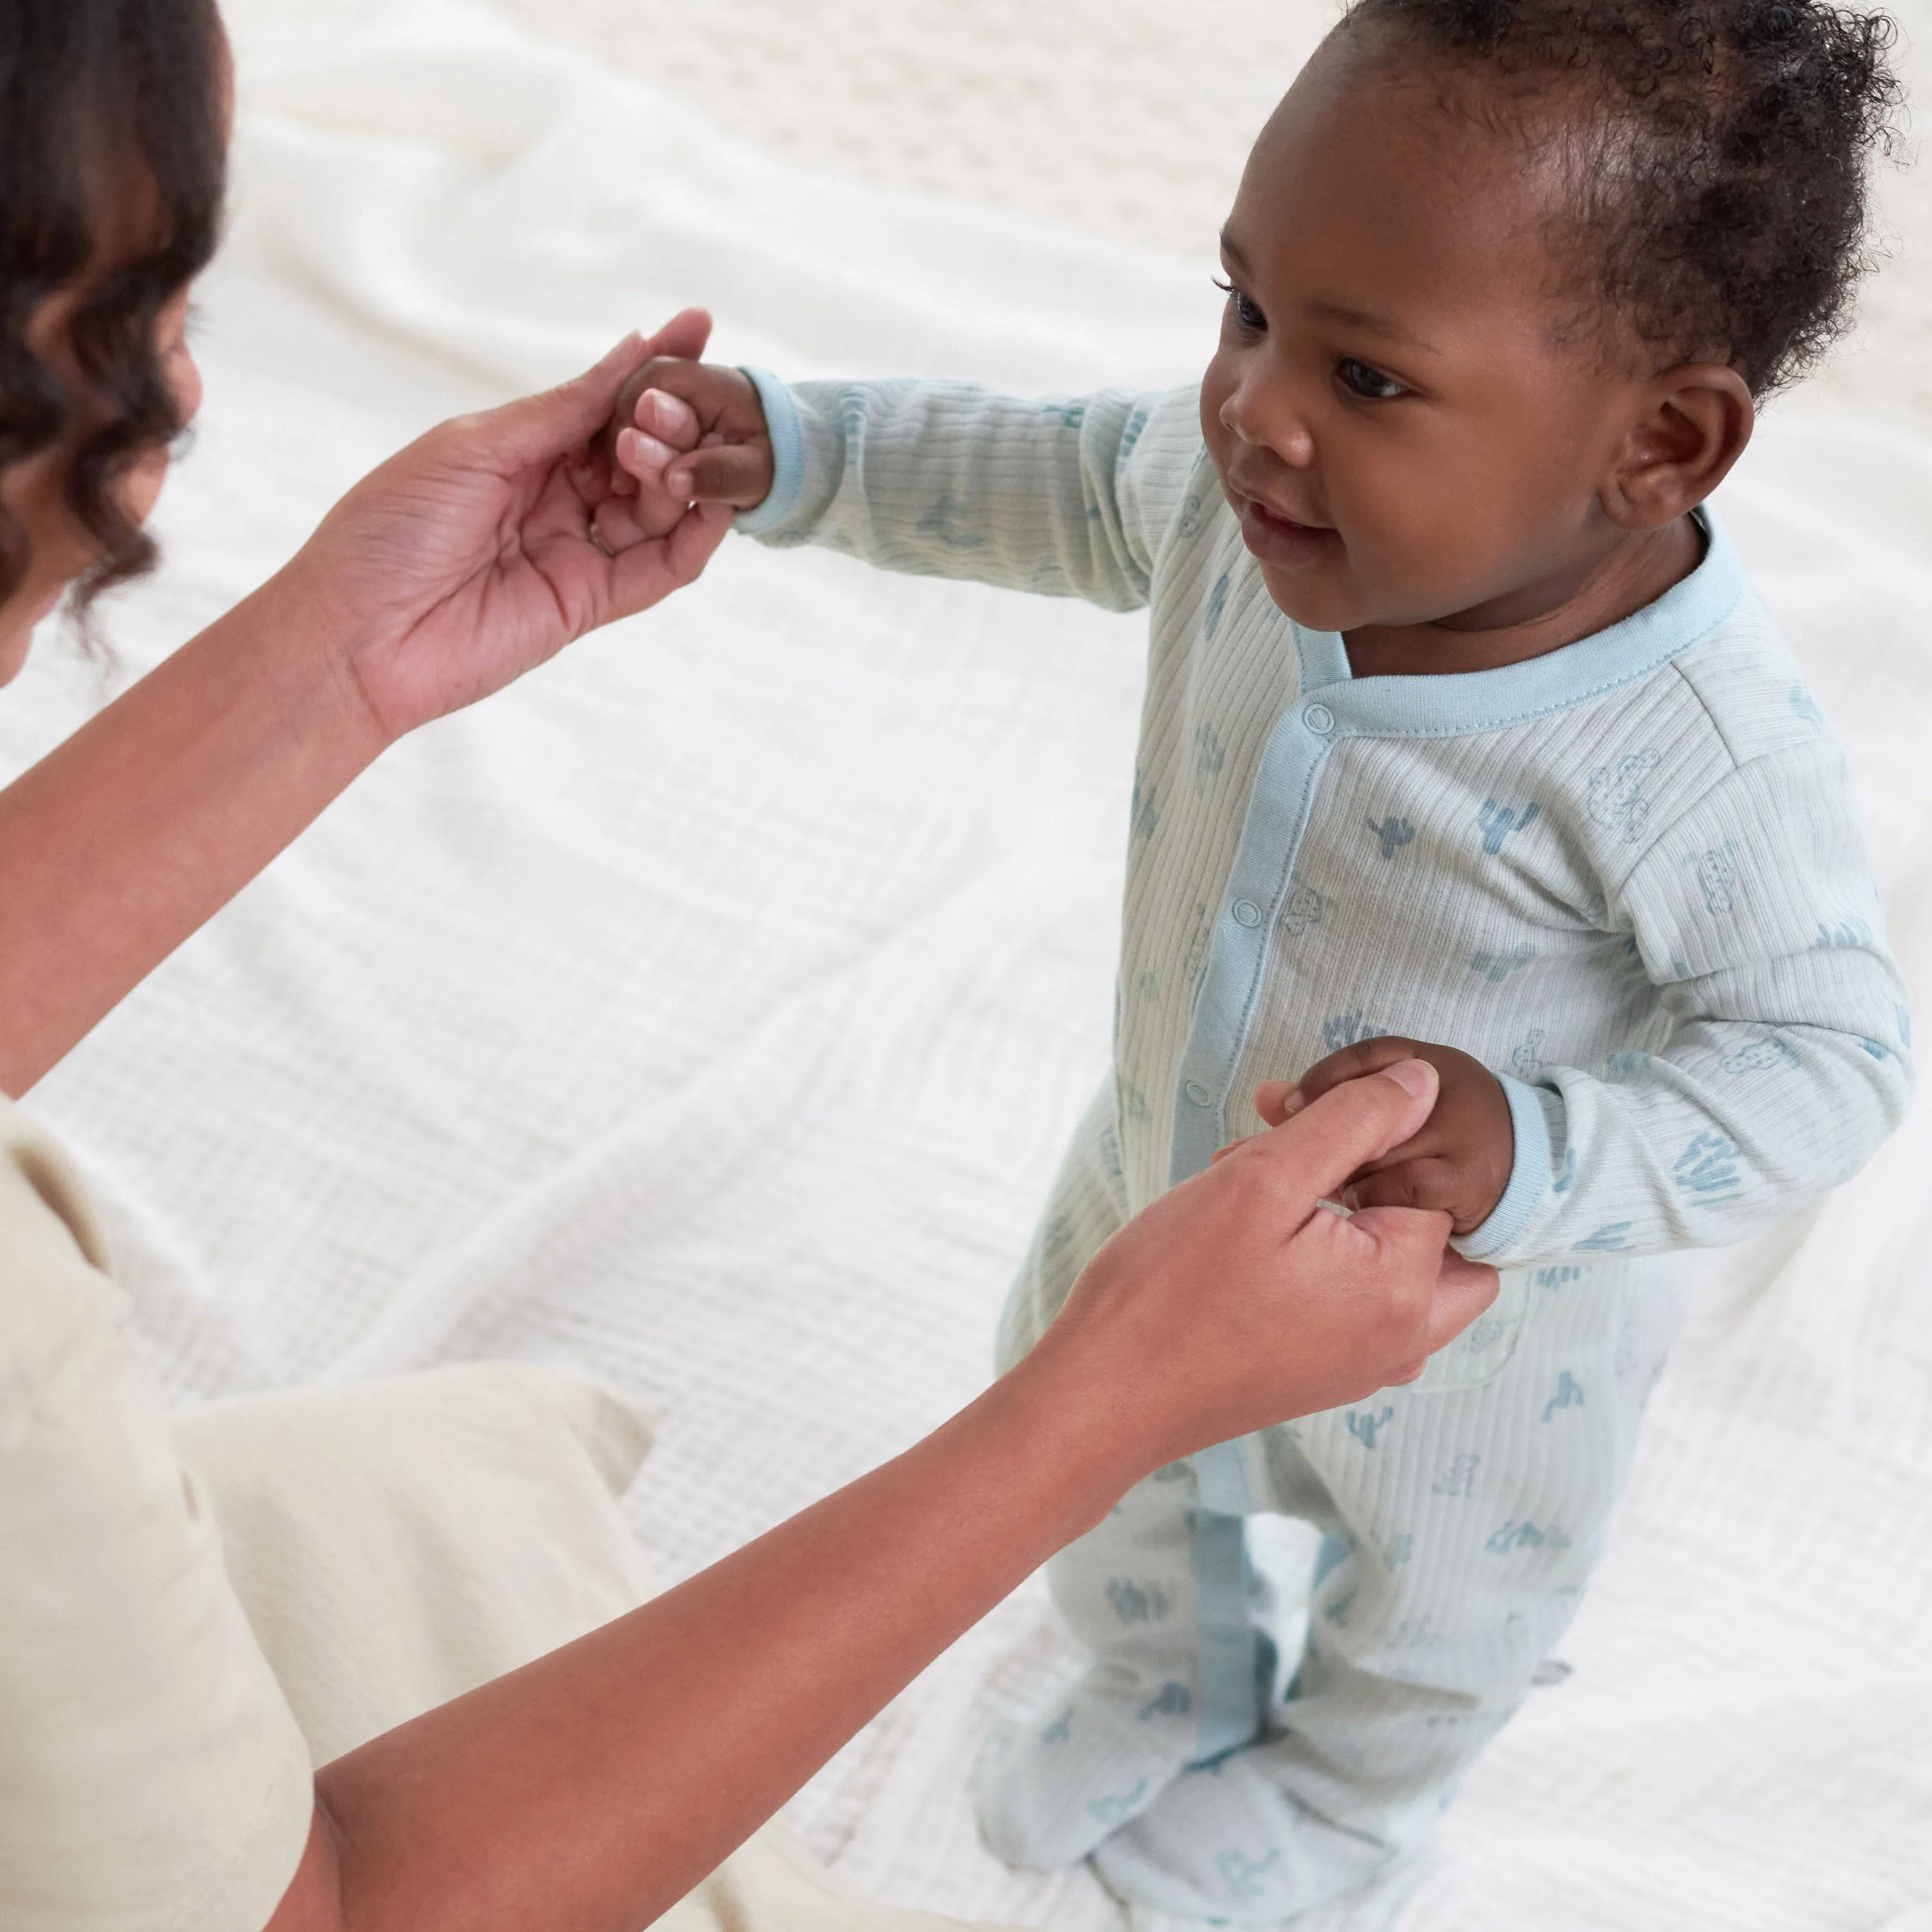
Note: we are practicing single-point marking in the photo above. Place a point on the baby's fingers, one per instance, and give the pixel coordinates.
(739, 474)
(1431, 1182)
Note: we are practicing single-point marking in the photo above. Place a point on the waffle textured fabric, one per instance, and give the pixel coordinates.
(192, 1617)
(710, 1011)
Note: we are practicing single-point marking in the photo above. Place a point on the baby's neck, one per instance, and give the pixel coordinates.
(1540, 618)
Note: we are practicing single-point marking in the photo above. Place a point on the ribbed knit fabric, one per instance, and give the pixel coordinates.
(1628, 876)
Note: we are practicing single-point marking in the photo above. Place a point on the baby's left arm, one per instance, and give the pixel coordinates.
(1788, 1062)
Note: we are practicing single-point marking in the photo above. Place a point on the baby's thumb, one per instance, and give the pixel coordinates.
(740, 475)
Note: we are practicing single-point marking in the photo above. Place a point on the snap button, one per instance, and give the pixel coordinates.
(1246, 913)
(1319, 718)
(1198, 1093)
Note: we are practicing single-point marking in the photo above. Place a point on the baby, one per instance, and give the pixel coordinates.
(1464, 737)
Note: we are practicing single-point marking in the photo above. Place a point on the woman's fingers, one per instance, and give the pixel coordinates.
(645, 456)
(669, 420)
(1276, 1100)
(649, 571)
(541, 428)
(1463, 1290)
(1409, 1242)
(738, 474)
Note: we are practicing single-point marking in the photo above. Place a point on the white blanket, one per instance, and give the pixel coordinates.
(708, 1011)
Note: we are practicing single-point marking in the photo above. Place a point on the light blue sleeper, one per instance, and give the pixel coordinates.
(1627, 876)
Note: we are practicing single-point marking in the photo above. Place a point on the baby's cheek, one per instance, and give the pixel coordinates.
(1215, 389)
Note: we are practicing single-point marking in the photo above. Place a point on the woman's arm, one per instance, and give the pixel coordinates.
(589, 1791)
(459, 565)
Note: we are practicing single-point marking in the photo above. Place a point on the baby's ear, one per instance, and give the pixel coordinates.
(1694, 423)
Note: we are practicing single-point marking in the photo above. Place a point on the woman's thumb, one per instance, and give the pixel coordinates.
(539, 427)
(685, 335)
(1356, 1122)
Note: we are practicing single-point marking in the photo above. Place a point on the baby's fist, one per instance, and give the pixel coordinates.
(693, 433)
(1460, 1161)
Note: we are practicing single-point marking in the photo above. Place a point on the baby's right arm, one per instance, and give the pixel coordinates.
(1068, 498)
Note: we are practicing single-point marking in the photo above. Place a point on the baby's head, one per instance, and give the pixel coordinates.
(1507, 276)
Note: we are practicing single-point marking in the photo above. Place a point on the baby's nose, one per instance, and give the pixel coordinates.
(1270, 424)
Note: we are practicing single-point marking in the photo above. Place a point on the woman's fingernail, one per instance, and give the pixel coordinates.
(678, 482)
(1416, 1077)
(1292, 1101)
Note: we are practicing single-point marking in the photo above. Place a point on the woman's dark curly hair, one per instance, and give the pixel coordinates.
(112, 157)
(1715, 153)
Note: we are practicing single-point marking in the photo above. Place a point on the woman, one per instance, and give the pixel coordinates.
(155, 1748)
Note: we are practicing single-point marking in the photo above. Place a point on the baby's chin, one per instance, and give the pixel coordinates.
(1319, 604)
(1313, 604)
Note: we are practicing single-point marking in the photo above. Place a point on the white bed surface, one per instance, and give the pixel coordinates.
(708, 1012)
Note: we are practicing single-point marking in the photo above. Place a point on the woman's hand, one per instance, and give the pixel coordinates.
(597, 1786)
(457, 566)
(1461, 1160)
(476, 554)
(1237, 1300)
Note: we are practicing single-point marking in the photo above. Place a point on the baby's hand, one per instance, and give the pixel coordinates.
(685, 433)
(1461, 1160)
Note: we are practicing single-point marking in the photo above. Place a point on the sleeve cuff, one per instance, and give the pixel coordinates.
(787, 435)
(1529, 1181)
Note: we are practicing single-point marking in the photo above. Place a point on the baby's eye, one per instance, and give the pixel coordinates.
(1370, 384)
(1248, 317)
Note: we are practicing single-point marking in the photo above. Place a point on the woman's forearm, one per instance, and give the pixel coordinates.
(119, 844)
(463, 561)
(589, 1791)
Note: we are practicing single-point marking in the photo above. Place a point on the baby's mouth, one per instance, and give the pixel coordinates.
(1281, 541)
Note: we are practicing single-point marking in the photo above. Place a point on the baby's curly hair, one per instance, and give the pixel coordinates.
(112, 160)
(1716, 153)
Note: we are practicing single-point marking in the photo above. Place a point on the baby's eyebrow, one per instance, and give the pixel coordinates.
(1363, 318)
(1327, 311)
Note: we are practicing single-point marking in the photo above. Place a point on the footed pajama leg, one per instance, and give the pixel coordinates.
(1463, 1516)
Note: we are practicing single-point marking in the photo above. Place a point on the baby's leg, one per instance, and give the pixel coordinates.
(1055, 1779)
(1463, 1518)
(1097, 1750)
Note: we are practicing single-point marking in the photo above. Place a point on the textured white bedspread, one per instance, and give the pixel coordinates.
(708, 1011)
